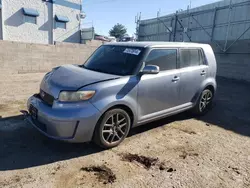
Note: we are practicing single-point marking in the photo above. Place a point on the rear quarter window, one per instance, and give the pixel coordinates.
(191, 57)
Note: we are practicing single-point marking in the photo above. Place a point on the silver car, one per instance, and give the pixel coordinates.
(123, 85)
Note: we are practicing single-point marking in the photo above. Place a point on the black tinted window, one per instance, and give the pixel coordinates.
(118, 60)
(190, 57)
(166, 59)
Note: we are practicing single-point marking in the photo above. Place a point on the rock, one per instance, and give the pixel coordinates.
(162, 166)
(171, 170)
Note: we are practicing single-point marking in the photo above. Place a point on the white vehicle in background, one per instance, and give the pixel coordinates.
(111, 39)
(127, 39)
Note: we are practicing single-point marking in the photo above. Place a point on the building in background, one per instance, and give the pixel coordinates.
(87, 34)
(40, 21)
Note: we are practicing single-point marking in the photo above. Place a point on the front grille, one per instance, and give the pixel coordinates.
(47, 98)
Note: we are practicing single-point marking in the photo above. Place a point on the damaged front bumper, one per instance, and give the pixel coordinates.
(63, 121)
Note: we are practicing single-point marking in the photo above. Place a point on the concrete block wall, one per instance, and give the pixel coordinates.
(235, 63)
(19, 58)
(236, 66)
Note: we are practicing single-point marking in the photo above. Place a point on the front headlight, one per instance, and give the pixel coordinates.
(69, 96)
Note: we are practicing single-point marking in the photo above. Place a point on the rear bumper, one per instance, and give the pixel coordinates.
(67, 122)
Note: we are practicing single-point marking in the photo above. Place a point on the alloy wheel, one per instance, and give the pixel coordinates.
(206, 99)
(114, 128)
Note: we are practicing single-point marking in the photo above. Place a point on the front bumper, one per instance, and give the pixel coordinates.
(72, 122)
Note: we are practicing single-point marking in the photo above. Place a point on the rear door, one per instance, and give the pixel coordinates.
(159, 92)
(193, 70)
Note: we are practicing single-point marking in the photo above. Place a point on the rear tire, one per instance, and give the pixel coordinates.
(112, 128)
(204, 103)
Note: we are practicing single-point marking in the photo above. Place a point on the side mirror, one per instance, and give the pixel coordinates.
(151, 69)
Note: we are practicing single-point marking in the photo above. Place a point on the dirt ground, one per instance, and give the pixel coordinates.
(180, 151)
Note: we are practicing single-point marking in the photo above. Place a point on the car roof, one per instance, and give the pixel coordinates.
(157, 44)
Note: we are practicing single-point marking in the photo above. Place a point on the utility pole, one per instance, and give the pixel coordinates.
(175, 25)
(1, 21)
(137, 22)
(158, 13)
(158, 25)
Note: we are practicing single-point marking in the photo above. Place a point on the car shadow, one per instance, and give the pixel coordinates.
(130, 85)
(159, 123)
(231, 110)
(21, 146)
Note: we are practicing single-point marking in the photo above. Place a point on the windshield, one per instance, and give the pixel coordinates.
(118, 60)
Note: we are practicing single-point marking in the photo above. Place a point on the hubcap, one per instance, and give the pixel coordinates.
(205, 100)
(114, 128)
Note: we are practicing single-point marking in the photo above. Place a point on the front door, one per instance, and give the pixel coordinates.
(193, 71)
(158, 93)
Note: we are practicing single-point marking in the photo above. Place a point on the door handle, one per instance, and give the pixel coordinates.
(175, 79)
(203, 73)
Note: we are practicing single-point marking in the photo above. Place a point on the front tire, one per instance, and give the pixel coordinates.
(112, 128)
(204, 103)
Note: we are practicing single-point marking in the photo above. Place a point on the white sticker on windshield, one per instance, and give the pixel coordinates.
(132, 51)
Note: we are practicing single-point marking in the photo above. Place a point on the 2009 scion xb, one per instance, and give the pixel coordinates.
(123, 85)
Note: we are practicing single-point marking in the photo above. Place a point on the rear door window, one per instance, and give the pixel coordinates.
(190, 57)
(166, 59)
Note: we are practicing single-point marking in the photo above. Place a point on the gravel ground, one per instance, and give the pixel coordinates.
(179, 151)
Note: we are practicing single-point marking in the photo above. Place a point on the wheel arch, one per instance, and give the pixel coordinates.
(208, 84)
(125, 108)
(210, 87)
(120, 106)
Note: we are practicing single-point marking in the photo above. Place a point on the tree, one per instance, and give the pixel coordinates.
(118, 31)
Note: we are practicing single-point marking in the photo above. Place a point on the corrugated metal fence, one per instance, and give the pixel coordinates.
(222, 21)
(224, 25)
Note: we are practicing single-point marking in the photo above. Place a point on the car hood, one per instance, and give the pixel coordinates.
(71, 78)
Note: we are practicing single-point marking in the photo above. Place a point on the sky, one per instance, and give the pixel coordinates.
(104, 14)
